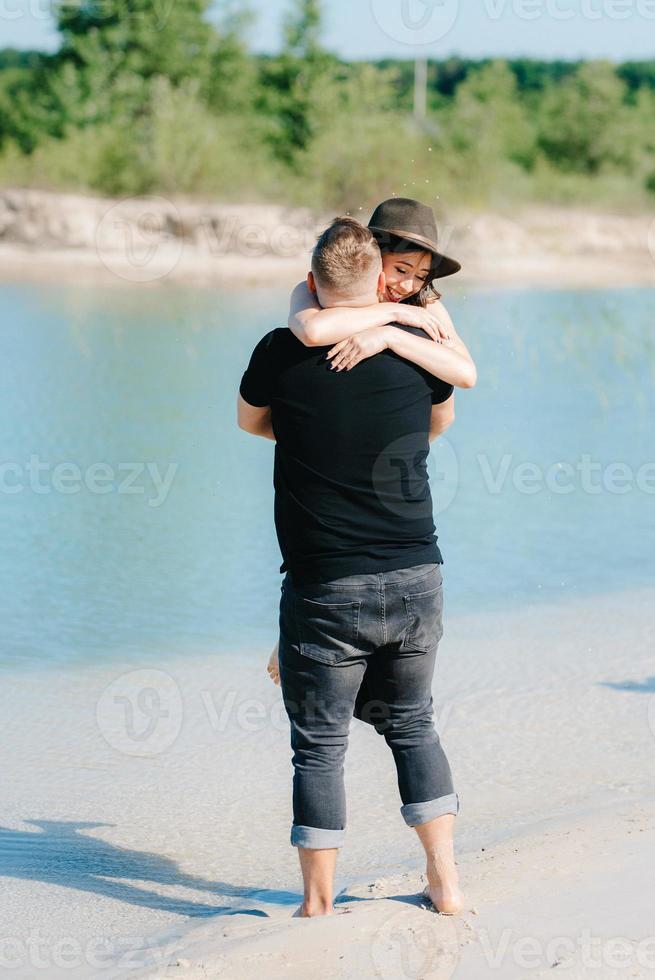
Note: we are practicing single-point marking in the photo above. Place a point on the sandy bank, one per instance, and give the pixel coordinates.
(546, 712)
(572, 893)
(46, 236)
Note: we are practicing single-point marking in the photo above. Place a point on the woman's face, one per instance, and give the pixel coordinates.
(406, 274)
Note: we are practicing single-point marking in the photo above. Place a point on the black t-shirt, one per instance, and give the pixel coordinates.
(350, 474)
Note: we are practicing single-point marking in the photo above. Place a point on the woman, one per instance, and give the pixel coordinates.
(406, 232)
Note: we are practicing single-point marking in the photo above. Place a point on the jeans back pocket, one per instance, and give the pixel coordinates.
(424, 614)
(327, 631)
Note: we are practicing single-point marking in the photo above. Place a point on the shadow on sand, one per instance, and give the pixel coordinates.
(639, 687)
(61, 855)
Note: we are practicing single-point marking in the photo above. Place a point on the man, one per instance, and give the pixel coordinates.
(361, 604)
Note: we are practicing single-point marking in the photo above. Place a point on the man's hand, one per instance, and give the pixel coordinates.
(349, 352)
(273, 665)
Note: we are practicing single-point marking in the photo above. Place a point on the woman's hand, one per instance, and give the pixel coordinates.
(349, 352)
(424, 319)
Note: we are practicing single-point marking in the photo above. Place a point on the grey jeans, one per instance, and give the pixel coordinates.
(364, 645)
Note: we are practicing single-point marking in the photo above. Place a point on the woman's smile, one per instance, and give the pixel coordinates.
(406, 274)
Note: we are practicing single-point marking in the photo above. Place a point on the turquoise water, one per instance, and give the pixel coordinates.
(137, 520)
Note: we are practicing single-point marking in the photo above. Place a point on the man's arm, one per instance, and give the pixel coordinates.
(442, 416)
(256, 389)
(255, 419)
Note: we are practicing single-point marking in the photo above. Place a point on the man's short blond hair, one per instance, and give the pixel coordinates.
(344, 255)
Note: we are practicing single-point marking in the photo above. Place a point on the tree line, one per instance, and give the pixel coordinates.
(144, 97)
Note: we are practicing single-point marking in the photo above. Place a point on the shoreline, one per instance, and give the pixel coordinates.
(49, 237)
(166, 843)
(531, 903)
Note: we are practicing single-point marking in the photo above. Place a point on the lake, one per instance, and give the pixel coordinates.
(137, 519)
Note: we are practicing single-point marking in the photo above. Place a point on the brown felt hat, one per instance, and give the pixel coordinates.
(412, 222)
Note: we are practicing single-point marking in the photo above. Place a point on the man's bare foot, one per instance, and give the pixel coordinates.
(443, 881)
(273, 665)
(444, 904)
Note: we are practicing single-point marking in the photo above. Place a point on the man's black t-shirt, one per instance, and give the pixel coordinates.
(350, 475)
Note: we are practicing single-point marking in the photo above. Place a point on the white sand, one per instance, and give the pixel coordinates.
(548, 717)
(575, 894)
(46, 236)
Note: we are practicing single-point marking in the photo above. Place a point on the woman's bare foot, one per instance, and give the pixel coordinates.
(273, 665)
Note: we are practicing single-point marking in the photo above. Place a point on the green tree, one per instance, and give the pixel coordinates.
(300, 86)
(487, 122)
(233, 72)
(26, 109)
(583, 121)
(637, 74)
(172, 38)
(111, 53)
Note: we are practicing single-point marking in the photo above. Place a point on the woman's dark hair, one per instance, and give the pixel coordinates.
(428, 292)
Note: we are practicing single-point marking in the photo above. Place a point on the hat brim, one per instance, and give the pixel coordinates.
(443, 263)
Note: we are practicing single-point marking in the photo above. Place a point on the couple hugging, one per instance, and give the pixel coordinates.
(352, 394)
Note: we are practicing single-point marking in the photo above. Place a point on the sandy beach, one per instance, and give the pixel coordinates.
(146, 834)
(569, 893)
(145, 828)
(46, 237)
(169, 175)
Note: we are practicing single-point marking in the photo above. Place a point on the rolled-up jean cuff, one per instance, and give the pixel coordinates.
(316, 837)
(417, 813)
